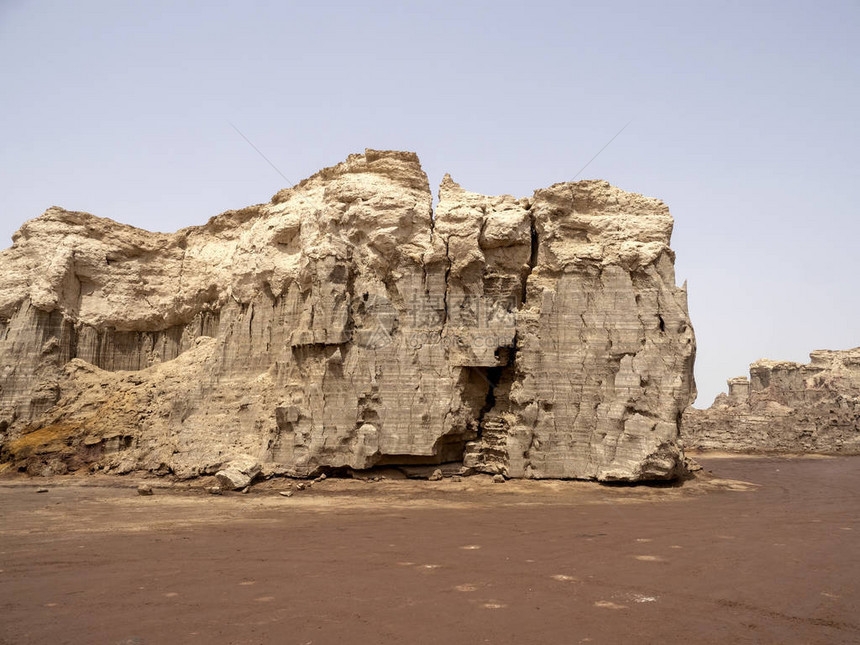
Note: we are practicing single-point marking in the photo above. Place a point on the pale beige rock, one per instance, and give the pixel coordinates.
(238, 473)
(344, 326)
(785, 407)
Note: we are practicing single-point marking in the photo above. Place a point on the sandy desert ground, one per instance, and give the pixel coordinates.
(758, 550)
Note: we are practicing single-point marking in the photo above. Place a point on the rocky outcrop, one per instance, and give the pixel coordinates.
(345, 325)
(785, 407)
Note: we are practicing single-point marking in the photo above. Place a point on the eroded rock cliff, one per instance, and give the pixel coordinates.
(785, 407)
(344, 325)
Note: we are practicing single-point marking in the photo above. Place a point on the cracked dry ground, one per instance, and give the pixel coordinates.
(760, 550)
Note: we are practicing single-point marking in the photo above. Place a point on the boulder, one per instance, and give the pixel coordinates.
(238, 473)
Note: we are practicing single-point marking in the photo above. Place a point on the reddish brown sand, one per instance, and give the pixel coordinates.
(775, 560)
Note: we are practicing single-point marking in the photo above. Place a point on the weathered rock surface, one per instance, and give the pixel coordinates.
(238, 473)
(785, 407)
(344, 326)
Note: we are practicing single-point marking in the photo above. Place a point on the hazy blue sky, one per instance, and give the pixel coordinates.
(743, 119)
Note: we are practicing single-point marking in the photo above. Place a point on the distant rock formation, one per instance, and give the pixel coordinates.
(785, 407)
(344, 325)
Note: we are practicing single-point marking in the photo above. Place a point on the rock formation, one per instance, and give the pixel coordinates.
(344, 325)
(785, 407)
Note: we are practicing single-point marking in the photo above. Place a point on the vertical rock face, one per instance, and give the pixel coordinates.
(785, 407)
(345, 325)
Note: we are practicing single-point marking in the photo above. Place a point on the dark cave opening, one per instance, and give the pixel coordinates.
(492, 376)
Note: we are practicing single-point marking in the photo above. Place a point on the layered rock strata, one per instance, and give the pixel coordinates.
(785, 407)
(345, 325)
